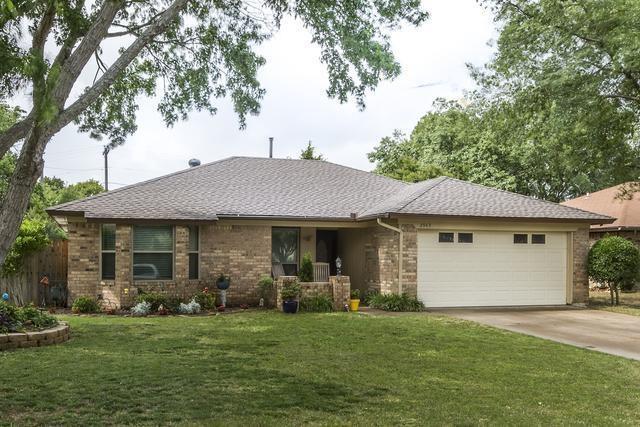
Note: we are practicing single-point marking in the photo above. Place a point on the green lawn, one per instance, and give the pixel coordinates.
(629, 302)
(259, 368)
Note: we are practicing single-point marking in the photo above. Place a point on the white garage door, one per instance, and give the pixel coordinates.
(491, 270)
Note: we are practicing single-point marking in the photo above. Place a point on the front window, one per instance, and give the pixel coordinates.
(152, 252)
(108, 251)
(284, 249)
(194, 250)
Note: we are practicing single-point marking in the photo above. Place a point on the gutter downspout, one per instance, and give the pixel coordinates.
(401, 234)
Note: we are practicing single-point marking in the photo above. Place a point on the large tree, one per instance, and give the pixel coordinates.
(556, 110)
(198, 49)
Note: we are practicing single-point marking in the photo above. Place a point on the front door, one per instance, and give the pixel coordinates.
(327, 248)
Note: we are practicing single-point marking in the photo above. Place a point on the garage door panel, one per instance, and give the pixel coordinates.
(491, 271)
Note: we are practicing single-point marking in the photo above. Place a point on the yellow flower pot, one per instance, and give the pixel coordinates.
(354, 304)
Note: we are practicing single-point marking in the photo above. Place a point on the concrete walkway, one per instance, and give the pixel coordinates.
(612, 333)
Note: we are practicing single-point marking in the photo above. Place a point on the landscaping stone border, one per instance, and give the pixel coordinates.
(56, 335)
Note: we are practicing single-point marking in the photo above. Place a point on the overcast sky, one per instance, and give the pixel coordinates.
(296, 108)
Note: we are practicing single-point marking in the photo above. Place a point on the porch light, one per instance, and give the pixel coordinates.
(338, 266)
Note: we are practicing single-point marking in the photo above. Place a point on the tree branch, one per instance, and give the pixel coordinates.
(15, 133)
(81, 55)
(85, 100)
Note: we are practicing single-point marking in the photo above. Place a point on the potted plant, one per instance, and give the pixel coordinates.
(290, 292)
(223, 282)
(354, 303)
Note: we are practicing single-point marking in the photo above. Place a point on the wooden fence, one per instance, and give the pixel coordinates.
(26, 287)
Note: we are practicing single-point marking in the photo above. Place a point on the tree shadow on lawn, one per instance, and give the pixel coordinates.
(124, 373)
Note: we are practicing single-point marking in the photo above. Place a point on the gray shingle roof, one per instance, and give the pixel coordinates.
(286, 188)
(243, 186)
(446, 196)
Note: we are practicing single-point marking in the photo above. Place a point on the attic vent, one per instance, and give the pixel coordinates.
(194, 163)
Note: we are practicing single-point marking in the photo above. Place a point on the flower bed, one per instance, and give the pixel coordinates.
(56, 335)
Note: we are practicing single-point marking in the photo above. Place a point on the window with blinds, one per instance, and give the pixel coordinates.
(108, 251)
(153, 252)
(194, 252)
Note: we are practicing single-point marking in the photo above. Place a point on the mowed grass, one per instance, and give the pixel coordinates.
(629, 302)
(264, 368)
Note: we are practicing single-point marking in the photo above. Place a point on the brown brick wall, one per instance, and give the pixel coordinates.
(83, 276)
(580, 263)
(240, 251)
(410, 260)
(337, 288)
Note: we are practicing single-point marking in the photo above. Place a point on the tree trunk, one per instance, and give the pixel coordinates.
(15, 203)
(611, 291)
(617, 295)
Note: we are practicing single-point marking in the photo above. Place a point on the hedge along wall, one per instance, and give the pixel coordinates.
(56, 335)
(337, 288)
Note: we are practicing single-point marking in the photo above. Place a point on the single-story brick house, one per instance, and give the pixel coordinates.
(446, 241)
(606, 202)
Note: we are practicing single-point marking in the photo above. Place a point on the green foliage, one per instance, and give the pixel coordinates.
(556, 112)
(38, 229)
(309, 153)
(153, 298)
(290, 290)
(394, 302)
(85, 305)
(316, 304)
(549, 149)
(615, 262)
(33, 318)
(32, 238)
(206, 299)
(306, 268)
(355, 294)
(20, 319)
(265, 289)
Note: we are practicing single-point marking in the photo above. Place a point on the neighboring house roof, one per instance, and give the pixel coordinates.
(249, 187)
(606, 202)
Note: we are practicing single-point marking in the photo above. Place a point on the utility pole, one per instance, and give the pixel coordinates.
(105, 153)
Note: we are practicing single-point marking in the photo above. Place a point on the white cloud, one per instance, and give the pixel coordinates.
(296, 108)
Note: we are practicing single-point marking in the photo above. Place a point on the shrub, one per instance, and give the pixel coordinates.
(290, 291)
(316, 304)
(192, 308)
(8, 318)
(16, 319)
(355, 294)
(142, 308)
(265, 286)
(394, 302)
(206, 299)
(306, 268)
(615, 262)
(369, 295)
(173, 303)
(31, 316)
(85, 305)
(155, 299)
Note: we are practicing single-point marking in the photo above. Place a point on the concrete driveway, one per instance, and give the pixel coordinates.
(612, 333)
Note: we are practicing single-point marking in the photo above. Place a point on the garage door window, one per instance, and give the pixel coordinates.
(445, 237)
(520, 239)
(465, 237)
(538, 239)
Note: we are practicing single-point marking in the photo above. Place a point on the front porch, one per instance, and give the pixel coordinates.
(355, 247)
